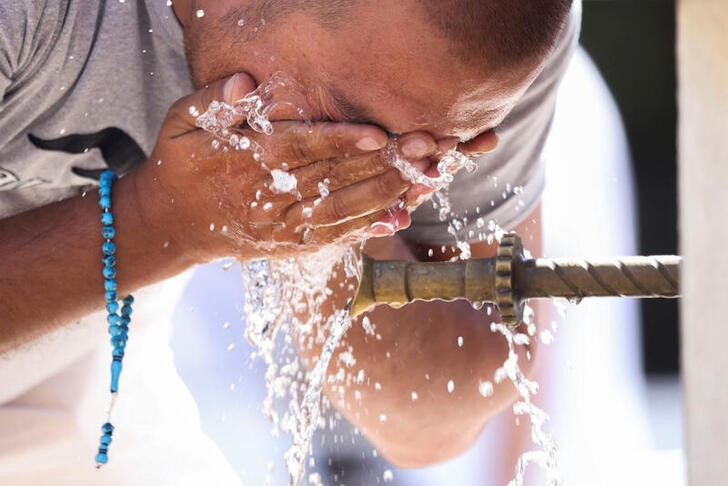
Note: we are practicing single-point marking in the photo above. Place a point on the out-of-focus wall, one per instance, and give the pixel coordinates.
(632, 42)
(703, 165)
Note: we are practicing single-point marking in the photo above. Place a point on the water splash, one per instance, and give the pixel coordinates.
(224, 120)
(449, 164)
(279, 293)
(307, 415)
(546, 455)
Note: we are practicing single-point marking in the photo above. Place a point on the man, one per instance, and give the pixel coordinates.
(76, 76)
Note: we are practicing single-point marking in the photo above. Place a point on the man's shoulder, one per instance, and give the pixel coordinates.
(27, 30)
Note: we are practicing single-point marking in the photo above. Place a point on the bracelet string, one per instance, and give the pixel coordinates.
(118, 321)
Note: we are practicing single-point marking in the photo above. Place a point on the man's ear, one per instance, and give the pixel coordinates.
(483, 143)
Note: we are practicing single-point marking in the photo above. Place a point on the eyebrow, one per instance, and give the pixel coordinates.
(350, 110)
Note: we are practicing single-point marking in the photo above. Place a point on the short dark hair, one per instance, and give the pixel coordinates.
(502, 33)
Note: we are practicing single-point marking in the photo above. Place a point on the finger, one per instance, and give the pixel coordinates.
(335, 174)
(375, 225)
(417, 145)
(182, 116)
(483, 143)
(296, 144)
(342, 173)
(339, 173)
(350, 202)
(391, 221)
(447, 144)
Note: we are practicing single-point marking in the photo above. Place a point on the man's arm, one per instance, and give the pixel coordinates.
(166, 213)
(405, 406)
(50, 270)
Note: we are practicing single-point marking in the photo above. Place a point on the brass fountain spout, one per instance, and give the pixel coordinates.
(508, 279)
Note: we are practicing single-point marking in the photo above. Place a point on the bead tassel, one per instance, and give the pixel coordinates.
(118, 322)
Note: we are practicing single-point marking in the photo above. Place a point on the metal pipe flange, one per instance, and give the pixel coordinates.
(510, 251)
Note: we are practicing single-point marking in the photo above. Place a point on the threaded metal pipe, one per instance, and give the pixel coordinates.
(397, 283)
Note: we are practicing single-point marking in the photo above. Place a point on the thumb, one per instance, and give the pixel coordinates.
(181, 117)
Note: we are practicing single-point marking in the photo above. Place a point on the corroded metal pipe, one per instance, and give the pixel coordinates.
(508, 279)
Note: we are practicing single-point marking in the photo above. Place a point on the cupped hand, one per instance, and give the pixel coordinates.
(216, 201)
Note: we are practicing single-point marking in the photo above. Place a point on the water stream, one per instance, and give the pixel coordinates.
(285, 299)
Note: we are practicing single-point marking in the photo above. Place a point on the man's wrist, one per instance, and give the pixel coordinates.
(159, 219)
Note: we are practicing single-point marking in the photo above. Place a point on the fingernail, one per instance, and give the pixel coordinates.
(415, 148)
(382, 229)
(421, 189)
(229, 89)
(368, 144)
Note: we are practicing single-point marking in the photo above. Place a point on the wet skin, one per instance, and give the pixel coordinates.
(388, 68)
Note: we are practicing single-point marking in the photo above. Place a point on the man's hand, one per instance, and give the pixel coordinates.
(214, 202)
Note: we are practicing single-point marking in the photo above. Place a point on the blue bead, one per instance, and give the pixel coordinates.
(102, 458)
(112, 307)
(125, 320)
(105, 202)
(114, 330)
(109, 272)
(109, 260)
(118, 341)
(111, 296)
(126, 310)
(107, 177)
(115, 372)
(110, 284)
(118, 352)
(108, 232)
(129, 299)
(105, 439)
(107, 428)
(113, 319)
(104, 191)
(108, 248)
(107, 218)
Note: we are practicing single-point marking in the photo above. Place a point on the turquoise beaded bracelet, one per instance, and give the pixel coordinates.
(118, 323)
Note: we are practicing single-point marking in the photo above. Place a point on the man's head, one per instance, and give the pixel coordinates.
(448, 67)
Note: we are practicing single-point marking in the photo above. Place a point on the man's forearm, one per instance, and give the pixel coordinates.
(50, 262)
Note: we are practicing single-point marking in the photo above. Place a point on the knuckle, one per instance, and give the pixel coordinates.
(338, 209)
(300, 146)
(388, 185)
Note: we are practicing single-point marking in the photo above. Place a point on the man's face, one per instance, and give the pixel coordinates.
(383, 63)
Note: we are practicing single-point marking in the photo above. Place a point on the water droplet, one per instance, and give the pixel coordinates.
(388, 476)
(200, 13)
(485, 388)
(414, 396)
(450, 386)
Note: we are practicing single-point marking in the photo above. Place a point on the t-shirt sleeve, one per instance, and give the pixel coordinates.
(28, 29)
(10, 43)
(509, 181)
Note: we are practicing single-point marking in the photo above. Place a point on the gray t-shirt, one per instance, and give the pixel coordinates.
(85, 86)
